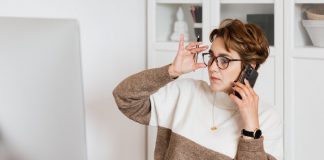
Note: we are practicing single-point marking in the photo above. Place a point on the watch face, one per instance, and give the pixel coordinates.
(258, 133)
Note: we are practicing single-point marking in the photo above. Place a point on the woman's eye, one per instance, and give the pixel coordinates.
(223, 60)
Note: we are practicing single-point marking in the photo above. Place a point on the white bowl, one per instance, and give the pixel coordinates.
(315, 30)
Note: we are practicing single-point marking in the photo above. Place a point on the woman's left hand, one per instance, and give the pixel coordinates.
(248, 105)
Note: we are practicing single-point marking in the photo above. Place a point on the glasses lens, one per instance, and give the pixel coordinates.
(222, 62)
(207, 58)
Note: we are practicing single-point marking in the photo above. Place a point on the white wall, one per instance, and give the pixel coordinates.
(110, 32)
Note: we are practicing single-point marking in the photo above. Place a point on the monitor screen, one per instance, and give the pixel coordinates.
(41, 96)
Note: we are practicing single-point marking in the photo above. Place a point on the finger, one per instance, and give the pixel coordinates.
(181, 43)
(240, 91)
(198, 66)
(198, 50)
(193, 45)
(247, 84)
(237, 100)
(243, 88)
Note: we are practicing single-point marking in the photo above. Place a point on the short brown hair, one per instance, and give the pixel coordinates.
(246, 39)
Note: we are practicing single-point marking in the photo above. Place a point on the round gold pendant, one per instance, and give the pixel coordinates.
(213, 129)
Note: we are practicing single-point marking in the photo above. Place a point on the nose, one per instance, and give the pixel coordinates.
(213, 67)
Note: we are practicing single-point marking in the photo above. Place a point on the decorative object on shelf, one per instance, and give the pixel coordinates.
(315, 12)
(315, 30)
(180, 27)
(196, 13)
(265, 22)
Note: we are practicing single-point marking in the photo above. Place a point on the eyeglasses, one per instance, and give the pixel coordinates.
(221, 61)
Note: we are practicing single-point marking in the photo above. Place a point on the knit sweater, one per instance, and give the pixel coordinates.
(184, 110)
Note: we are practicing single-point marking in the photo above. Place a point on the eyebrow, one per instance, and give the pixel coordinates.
(220, 54)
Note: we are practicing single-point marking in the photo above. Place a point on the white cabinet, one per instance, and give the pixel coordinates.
(290, 78)
(303, 86)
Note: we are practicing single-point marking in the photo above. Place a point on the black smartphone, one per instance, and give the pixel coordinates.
(248, 73)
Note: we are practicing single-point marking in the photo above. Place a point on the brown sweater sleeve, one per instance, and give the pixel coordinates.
(252, 149)
(132, 95)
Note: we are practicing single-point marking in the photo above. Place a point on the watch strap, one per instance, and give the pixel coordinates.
(256, 134)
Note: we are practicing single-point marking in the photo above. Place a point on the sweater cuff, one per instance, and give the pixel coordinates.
(251, 145)
(164, 73)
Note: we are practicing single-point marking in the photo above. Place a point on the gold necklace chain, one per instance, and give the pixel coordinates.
(213, 128)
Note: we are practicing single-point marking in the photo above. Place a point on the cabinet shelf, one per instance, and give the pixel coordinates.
(308, 52)
(179, 1)
(308, 1)
(166, 19)
(246, 1)
(197, 25)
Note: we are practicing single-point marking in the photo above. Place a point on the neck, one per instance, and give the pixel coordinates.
(227, 91)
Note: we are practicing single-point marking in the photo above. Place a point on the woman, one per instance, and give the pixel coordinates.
(200, 121)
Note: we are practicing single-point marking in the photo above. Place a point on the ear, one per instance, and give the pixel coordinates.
(253, 65)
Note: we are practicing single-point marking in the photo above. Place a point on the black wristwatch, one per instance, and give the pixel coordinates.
(256, 134)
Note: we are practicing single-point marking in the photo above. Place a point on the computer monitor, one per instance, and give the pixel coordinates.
(41, 97)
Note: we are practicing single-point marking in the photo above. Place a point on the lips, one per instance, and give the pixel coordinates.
(214, 78)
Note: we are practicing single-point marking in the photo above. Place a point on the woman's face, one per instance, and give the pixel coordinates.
(222, 80)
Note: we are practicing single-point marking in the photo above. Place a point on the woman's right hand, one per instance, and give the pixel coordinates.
(184, 61)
